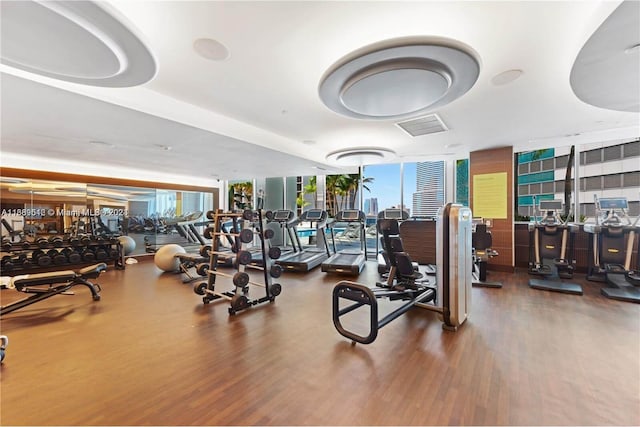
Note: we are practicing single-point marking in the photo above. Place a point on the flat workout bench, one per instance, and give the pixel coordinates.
(65, 280)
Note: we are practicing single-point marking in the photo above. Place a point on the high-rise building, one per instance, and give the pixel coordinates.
(429, 195)
(371, 206)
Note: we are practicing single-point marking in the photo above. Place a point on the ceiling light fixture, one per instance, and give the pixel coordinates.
(211, 49)
(399, 78)
(76, 41)
(360, 156)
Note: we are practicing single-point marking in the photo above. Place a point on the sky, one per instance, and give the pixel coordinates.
(386, 184)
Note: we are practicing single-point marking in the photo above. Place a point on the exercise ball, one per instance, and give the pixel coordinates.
(128, 244)
(165, 257)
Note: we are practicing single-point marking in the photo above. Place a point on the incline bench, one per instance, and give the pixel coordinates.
(46, 285)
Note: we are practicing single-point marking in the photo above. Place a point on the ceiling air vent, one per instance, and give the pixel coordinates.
(424, 125)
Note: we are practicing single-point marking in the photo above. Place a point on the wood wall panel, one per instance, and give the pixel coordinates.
(495, 161)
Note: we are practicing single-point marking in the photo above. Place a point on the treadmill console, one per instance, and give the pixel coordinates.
(313, 215)
(394, 213)
(613, 203)
(550, 205)
(282, 215)
(350, 215)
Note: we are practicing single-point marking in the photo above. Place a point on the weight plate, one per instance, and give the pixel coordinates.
(211, 214)
(247, 214)
(244, 257)
(241, 279)
(208, 233)
(269, 215)
(202, 269)
(246, 236)
(275, 271)
(275, 289)
(274, 252)
(269, 233)
(199, 288)
(204, 250)
(239, 303)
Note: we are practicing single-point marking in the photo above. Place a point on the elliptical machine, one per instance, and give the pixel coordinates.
(551, 250)
(612, 241)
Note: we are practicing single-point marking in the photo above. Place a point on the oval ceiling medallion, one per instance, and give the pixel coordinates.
(399, 78)
(360, 156)
(606, 72)
(75, 41)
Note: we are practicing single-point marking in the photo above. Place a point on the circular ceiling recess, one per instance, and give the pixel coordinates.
(360, 156)
(211, 49)
(75, 41)
(399, 78)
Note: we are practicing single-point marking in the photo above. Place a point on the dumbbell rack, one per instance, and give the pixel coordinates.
(59, 253)
(239, 297)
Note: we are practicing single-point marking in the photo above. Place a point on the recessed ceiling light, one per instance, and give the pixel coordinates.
(506, 77)
(399, 78)
(211, 49)
(360, 156)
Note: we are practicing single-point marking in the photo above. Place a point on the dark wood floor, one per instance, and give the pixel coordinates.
(150, 353)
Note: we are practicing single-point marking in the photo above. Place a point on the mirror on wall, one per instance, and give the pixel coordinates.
(151, 217)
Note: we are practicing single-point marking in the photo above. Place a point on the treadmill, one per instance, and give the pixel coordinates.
(348, 261)
(309, 258)
(285, 220)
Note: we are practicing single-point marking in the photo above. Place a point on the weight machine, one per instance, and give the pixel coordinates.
(450, 296)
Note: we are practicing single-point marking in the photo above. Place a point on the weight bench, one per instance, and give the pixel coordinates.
(46, 285)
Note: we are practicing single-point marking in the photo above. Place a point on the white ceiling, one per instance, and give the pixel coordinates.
(253, 114)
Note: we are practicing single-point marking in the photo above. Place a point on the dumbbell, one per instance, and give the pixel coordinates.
(40, 258)
(245, 235)
(6, 244)
(101, 253)
(75, 257)
(56, 257)
(269, 215)
(56, 241)
(26, 244)
(7, 263)
(74, 241)
(85, 240)
(88, 255)
(43, 242)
